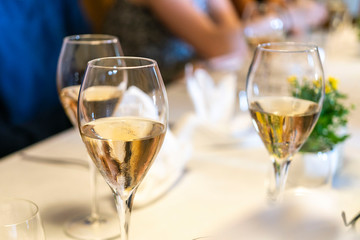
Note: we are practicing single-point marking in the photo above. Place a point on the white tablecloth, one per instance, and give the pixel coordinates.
(222, 185)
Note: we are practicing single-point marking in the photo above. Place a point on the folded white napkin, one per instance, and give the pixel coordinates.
(166, 170)
(220, 107)
(136, 102)
(213, 96)
(170, 163)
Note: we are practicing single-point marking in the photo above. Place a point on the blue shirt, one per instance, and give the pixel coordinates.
(31, 35)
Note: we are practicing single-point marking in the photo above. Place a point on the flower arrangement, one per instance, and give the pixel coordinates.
(333, 117)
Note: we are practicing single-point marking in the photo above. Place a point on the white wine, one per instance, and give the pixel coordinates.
(123, 148)
(95, 97)
(283, 123)
(69, 100)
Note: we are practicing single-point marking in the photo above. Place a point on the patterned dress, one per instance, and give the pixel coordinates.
(142, 34)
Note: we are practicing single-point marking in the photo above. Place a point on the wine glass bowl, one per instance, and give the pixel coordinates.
(76, 51)
(123, 132)
(284, 116)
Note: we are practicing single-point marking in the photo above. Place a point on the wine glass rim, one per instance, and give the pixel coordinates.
(93, 39)
(288, 47)
(150, 62)
(32, 216)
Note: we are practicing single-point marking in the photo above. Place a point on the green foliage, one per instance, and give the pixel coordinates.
(332, 120)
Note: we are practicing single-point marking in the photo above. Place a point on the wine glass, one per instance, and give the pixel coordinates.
(122, 118)
(282, 115)
(264, 21)
(76, 51)
(20, 219)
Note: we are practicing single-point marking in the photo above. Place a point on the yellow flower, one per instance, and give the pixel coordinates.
(317, 83)
(292, 79)
(328, 88)
(333, 83)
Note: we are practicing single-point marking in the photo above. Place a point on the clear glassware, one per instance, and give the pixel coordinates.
(264, 21)
(122, 118)
(285, 91)
(76, 51)
(20, 219)
(311, 171)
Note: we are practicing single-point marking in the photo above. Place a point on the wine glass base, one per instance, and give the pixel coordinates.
(88, 228)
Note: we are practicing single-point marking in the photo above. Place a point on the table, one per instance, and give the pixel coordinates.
(220, 187)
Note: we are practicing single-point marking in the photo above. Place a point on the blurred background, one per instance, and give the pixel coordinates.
(217, 34)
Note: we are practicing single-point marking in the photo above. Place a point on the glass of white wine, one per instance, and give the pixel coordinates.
(282, 115)
(123, 127)
(76, 51)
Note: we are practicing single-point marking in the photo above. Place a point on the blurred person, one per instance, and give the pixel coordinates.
(96, 10)
(174, 32)
(31, 39)
(305, 15)
(299, 16)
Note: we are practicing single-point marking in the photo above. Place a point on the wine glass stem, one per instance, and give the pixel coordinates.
(124, 207)
(277, 186)
(93, 192)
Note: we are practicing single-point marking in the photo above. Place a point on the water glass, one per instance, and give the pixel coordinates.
(20, 220)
